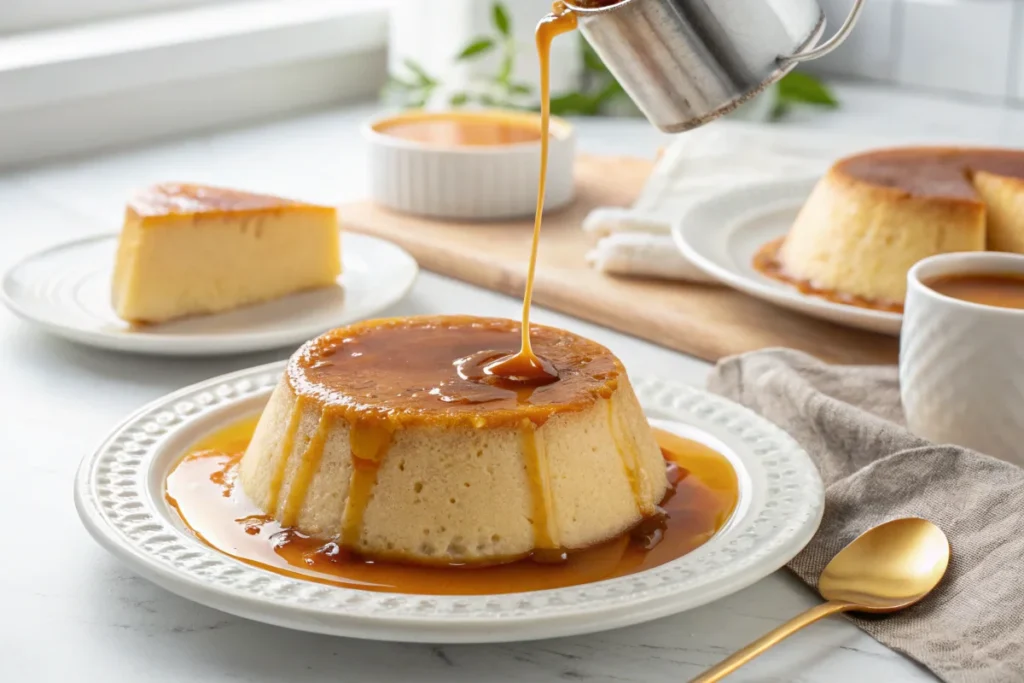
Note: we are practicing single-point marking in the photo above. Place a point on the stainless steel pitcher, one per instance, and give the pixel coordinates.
(686, 62)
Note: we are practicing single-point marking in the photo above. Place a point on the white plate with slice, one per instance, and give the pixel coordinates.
(721, 235)
(65, 290)
(119, 496)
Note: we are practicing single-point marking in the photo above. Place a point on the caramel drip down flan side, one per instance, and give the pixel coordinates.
(178, 199)
(421, 465)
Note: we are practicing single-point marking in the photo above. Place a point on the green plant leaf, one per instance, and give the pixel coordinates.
(421, 74)
(520, 88)
(478, 47)
(801, 87)
(779, 110)
(458, 99)
(396, 83)
(501, 19)
(508, 61)
(574, 103)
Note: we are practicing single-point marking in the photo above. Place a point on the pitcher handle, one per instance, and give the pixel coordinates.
(829, 45)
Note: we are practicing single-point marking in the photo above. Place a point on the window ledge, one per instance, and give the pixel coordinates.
(85, 61)
(72, 91)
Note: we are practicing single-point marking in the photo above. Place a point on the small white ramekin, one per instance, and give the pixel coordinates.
(962, 363)
(470, 182)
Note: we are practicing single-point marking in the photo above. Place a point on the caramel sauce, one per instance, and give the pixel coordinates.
(1002, 290)
(595, 4)
(766, 262)
(185, 198)
(308, 466)
(536, 461)
(933, 171)
(701, 498)
(630, 456)
(463, 129)
(426, 370)
(368, 444)
(287, 444)
(525, 365)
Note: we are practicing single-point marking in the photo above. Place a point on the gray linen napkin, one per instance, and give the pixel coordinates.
(849, 420)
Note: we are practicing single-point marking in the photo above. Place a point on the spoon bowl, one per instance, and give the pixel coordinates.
(885, 569)
(889, 567)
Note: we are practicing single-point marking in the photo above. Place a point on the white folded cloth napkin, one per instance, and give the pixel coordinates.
(699, 164)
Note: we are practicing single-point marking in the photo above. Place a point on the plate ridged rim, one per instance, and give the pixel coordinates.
(781, 504)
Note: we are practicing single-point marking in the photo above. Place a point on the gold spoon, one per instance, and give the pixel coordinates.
(885, 569)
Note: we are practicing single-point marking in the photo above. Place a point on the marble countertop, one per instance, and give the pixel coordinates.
(73, 613)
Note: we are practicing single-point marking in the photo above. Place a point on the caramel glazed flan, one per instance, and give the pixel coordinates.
(874, 215)
(388, 438)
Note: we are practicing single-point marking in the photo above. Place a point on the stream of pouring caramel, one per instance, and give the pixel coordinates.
(526, 366)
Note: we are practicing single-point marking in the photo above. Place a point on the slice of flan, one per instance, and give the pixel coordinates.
(1004, 203)
(874, 215)
(190, 250)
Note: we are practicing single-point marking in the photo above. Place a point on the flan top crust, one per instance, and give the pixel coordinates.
(177, 199)
(933, 172)
(428, 370)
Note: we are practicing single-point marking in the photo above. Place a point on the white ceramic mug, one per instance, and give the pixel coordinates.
(961, 363)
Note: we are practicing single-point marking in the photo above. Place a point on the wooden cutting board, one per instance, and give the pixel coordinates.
(706, 321)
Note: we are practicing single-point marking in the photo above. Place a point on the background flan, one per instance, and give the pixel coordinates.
(874, 215)
(1004, 204)
(190, 249)
(382, 437)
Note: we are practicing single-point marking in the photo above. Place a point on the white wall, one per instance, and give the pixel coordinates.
(432, 32)
(30, 15)
(963, 47)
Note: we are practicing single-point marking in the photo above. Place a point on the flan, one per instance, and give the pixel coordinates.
(1003, 196)
(874, 215)
(388, 438)
(190, 250)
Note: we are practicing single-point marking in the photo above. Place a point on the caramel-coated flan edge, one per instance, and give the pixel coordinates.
(943, 173)
(181, 199)
(403, 371)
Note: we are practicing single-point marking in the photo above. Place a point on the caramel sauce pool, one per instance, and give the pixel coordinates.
(1003, 290)
(462, 130)
(202, 490)
(766, 262)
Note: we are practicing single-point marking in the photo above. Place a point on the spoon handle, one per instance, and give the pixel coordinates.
(727, 666)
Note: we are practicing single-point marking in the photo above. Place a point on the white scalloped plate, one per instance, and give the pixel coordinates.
(65, 290)
(119, 496)
(721, 234)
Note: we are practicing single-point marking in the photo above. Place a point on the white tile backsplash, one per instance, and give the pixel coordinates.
(1017, 53)
(868, 51)
(961, 45)
(973, 47)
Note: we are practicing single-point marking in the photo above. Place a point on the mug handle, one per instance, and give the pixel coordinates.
(829, 45)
